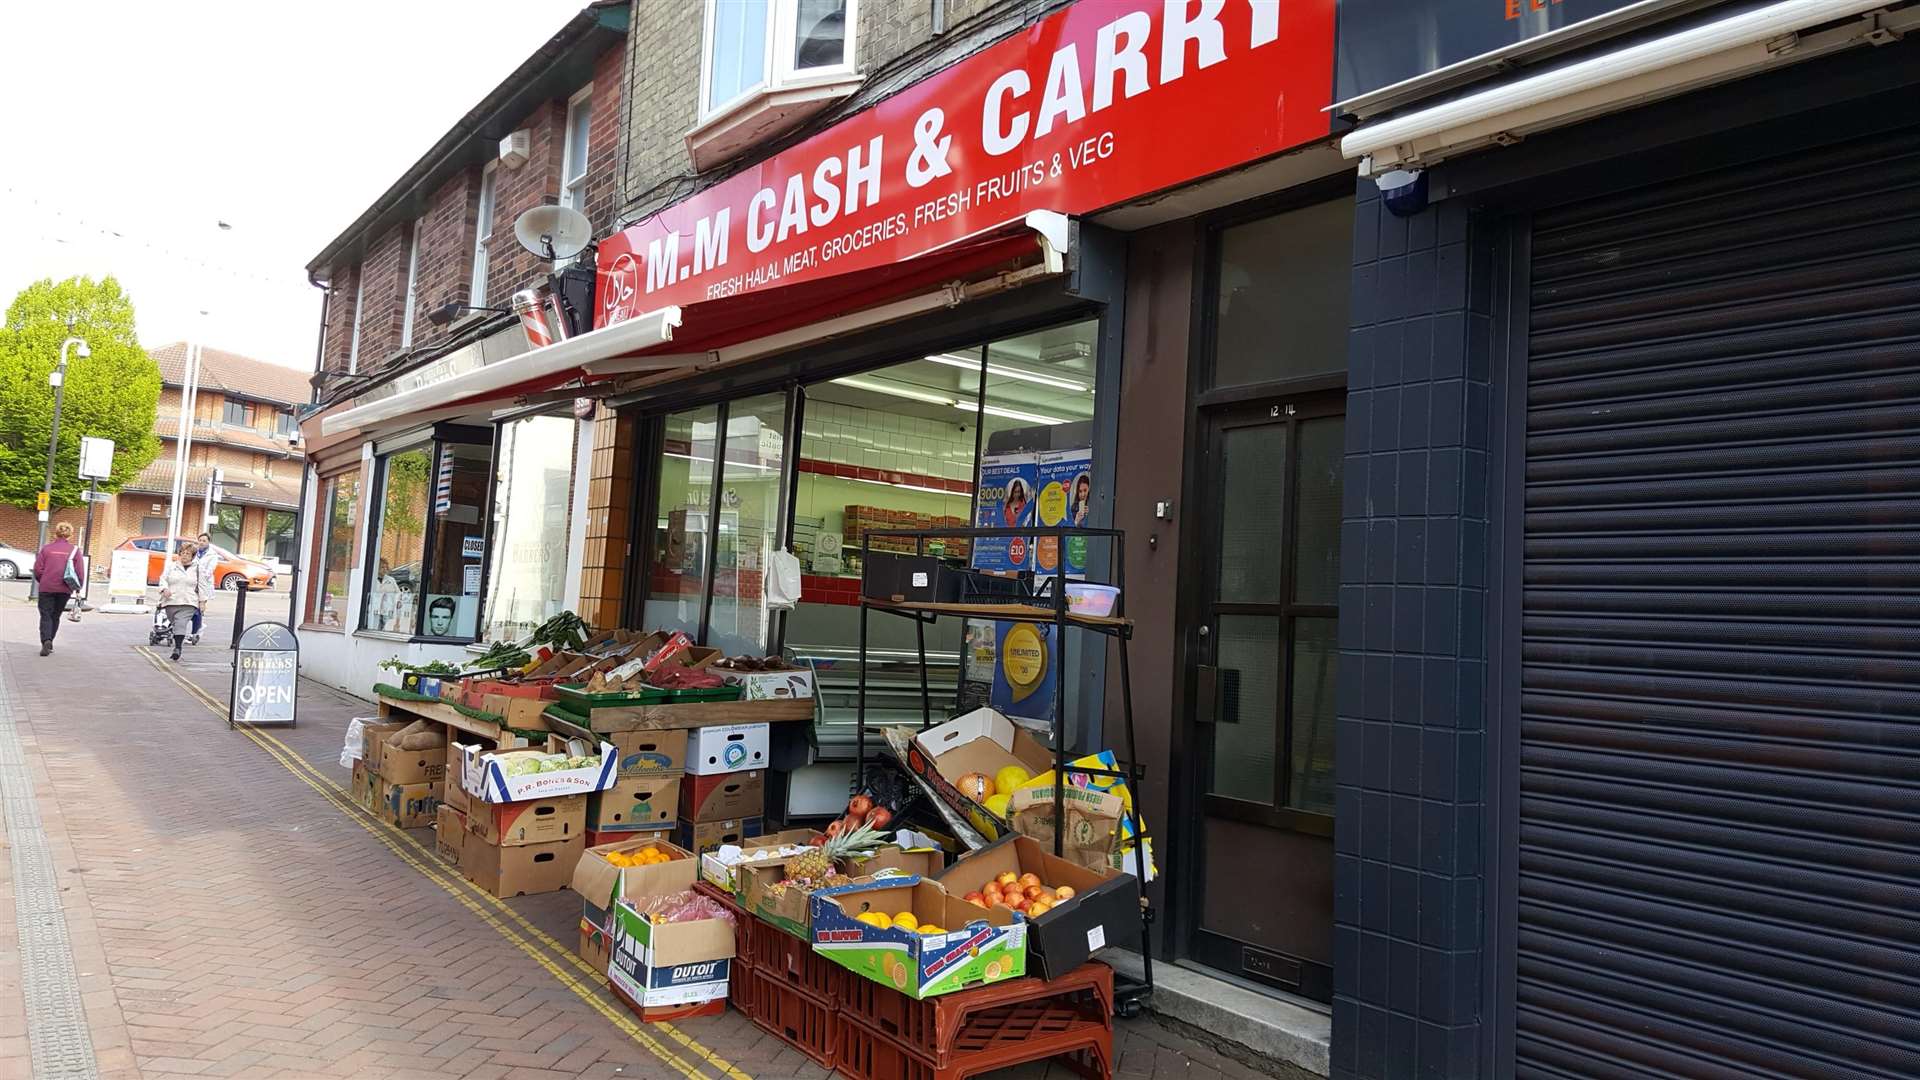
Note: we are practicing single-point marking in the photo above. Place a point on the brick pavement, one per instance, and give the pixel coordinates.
(231, 917)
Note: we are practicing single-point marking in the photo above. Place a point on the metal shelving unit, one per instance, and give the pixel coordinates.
(1029, 606)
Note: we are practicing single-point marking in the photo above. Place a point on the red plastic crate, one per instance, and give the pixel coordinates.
(993, 1039)
(930, 1028)
(780, 954)
(804, 1023)
(739, 988)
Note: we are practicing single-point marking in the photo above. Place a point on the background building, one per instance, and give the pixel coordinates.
(245, 423)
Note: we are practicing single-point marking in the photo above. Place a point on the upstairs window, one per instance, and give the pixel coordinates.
(482, 232)
(573, 166)
(237, 413)
(771, 45)
(353, 345)
(412, 297)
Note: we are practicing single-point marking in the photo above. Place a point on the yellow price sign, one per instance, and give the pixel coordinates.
(41, 501)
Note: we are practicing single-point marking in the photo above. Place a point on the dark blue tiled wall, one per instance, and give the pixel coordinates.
(1413, 562)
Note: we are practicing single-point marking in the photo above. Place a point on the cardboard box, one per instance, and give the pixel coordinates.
(770, 685)
(650, 753)
(373, 738)
(397, 766)
(979, 945)
(728, 748)
(723, 795)
(722, 872)
(636, 802)
(600, 883)
(361, 792)
(455, 794)
(485, 777)
(707, 835)
(407, 806)
(981, 741)
(660, 965)
(791, 909)
(522, 870)
(536, 821)
(516, 711)
(596, 946)
(1104, 909)
(449, 833)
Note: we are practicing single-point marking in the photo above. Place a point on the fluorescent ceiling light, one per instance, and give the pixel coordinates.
(731, 464)
(1010, 373)
(897, 391)
(911, 487)
(1014, 414)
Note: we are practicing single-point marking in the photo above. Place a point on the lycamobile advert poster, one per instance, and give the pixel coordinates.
(1065, 480)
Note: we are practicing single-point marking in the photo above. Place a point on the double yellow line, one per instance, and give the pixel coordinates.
(489, 908)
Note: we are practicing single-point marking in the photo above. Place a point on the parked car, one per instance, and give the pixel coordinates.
(228, 572)
(15, 563)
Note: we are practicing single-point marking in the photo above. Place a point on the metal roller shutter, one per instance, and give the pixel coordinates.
(1720, 736)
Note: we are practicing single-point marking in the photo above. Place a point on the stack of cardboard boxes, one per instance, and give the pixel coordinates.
(401, 772)
(723, 795)
(524, 833)
(646, 792)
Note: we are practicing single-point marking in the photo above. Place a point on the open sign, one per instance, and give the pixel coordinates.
(266, 673)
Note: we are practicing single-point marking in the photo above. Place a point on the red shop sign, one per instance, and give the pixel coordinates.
(1104, 102)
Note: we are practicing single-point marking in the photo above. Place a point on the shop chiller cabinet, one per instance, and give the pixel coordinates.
(933, 589)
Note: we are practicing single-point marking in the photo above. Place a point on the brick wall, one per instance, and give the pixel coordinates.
(445, 262)
(665, 45)
(1413, 675)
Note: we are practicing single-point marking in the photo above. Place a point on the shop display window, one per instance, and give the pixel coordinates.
(683, 495)
(532, 488)
(429, 540)
(749, 523)
(338, 504)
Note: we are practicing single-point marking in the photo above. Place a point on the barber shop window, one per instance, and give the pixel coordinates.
(532, 489)
(427, 561)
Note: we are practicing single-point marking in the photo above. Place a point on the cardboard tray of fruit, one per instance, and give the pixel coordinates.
(1074, 911)
(942, 944)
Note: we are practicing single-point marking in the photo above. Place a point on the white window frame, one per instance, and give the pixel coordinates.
(573, 189)
(784, 15)
(359, 294)
(413, 284)
(482, 232)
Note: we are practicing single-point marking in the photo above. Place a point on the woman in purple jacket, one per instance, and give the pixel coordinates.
(50, 574)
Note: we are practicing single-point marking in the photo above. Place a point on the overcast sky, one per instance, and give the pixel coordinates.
(133, 128)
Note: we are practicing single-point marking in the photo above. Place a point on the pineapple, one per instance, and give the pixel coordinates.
(818, 865)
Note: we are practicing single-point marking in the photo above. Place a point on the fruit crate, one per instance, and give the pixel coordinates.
(739, 987)
(782, 1010)
(992, 1039)
(784, 956)
(933, 1028)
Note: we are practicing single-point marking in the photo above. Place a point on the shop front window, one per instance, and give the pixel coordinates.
(683, 487)
(749, 524)
(399, 539)
(528, 561)
(333, 549)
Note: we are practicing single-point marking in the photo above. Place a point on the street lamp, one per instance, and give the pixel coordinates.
(58, 379)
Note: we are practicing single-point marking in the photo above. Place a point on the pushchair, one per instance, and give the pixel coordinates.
(162, 632)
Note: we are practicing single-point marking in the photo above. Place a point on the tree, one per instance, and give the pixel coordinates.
(112, 394)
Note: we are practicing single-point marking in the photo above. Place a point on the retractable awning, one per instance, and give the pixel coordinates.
(731, 328)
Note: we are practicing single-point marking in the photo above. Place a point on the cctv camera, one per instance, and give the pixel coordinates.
(1404, 191)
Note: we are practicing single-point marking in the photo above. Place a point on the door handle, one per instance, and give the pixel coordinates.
(1206, 692)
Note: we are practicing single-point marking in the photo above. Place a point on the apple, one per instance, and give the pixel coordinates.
(1033, 892)
(1017, 903)
(976, 899)
(1029, 879)
(1064, 893)
(1038, 908)
(1006, 879)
